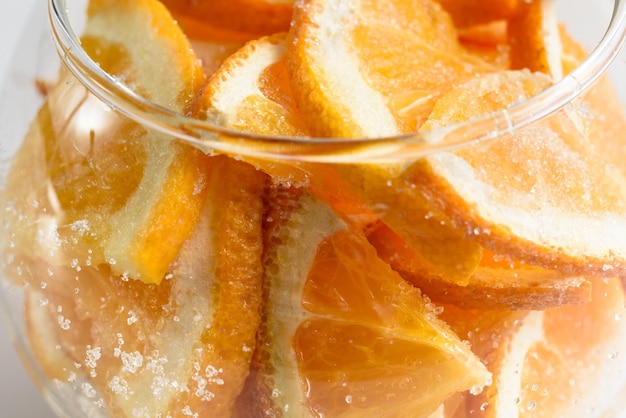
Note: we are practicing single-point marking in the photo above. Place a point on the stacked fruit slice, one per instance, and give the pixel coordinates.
(233, 285)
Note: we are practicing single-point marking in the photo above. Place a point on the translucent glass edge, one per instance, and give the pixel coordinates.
(209, 137)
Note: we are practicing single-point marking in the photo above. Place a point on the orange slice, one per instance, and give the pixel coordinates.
(560, 362)
(344, 335)
(497, 283)
(540, 195)
(149, 52)
(114, 191)
(184, 345)
(345, 86)
(534, 38)
(260, 17)
(249, 93)
(356, 74)
(249, 80)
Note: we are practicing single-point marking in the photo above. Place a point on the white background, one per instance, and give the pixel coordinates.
(18, 396)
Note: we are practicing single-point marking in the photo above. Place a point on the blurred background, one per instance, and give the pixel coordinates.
(18, 395)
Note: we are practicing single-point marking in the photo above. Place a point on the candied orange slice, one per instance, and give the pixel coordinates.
(370, 69)
(407, 208)
(343, 334)
(260, 17)
(115, 192)
(149, 52)
(250, 92)
(184, 345)
(346, 86)
(558, 362)
(534, 38)
(541, 194)
(599, 111)
(497, 283)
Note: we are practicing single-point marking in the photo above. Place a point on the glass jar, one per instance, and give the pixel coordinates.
(159, 260)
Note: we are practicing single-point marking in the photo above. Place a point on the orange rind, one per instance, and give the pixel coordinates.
(348, 64)
(493, 285)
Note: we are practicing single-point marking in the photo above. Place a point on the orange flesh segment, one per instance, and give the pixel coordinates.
(352, 332)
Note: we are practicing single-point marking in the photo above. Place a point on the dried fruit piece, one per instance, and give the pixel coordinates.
(114, 191)
(181, 346)
(349, 63)
(496, 283)
(541, 194)
(556, 356)
(343, 334)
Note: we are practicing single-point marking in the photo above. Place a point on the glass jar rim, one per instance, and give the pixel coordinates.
(211, 137)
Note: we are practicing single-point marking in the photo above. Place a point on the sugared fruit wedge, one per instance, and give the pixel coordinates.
(343, 334)
(563, 361)
(527, 193)
(181, 347)
(116, 192)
